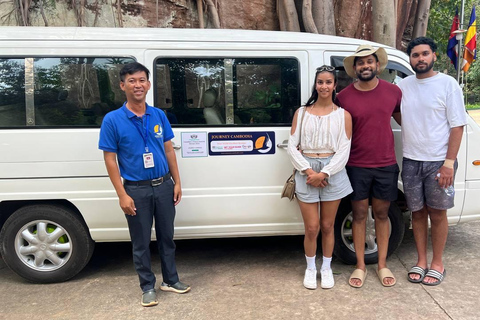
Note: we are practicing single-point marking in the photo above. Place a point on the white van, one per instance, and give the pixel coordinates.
(230, 96)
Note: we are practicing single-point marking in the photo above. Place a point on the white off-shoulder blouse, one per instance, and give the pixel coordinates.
(320, 134)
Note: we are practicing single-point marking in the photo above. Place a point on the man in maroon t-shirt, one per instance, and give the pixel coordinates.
(372, 166)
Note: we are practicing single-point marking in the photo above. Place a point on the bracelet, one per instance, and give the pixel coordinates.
(448, 163)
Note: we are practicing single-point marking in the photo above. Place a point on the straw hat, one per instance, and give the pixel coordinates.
(363, 51)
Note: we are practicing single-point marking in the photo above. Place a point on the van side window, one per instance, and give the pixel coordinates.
(60, 91)
(12, 92)
(227, 91)
(394, 73)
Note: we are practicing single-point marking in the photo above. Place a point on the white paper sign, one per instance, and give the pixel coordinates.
(194, 144)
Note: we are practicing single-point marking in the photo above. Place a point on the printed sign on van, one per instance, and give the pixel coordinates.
(194, 144)
(241, 143)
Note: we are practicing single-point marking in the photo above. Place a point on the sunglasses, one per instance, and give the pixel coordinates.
(325, 68)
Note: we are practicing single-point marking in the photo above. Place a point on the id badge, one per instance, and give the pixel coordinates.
(148, 160)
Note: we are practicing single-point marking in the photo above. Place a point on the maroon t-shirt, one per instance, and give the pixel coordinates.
(372, 137)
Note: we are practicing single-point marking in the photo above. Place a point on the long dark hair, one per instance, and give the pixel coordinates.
(313, 98)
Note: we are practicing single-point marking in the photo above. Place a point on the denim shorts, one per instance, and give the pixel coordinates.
(338, 184)
(420, 186)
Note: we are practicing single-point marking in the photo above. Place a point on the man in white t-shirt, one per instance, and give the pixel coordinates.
(433, 117)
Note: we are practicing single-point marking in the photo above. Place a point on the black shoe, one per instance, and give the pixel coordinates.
(149, 298)
(177, 287)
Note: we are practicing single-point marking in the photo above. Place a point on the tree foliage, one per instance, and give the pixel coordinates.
(440, 22)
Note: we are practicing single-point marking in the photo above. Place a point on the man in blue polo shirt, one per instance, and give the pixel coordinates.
(138, 136)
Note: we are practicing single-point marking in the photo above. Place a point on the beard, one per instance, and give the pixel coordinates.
(425, 69)
(361, 77)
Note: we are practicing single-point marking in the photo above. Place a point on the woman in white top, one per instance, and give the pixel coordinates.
(319, 153)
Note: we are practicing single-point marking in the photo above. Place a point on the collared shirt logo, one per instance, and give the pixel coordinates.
(158, 131)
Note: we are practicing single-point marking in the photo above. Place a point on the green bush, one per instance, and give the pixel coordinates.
(473, 106)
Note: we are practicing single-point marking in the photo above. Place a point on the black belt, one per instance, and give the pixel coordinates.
(153, 183)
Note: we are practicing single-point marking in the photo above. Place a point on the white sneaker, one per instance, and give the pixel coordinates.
(327, 279)
(310, 280)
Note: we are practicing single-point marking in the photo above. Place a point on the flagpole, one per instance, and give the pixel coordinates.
(460, 38)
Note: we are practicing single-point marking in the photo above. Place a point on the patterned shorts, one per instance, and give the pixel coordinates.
(420, 186)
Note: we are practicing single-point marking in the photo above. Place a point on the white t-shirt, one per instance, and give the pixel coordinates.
(430, 108)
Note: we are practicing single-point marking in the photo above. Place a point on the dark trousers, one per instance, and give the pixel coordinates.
(153, 203)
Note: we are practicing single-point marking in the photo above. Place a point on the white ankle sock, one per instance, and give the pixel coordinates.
(311, 263)
(326, 263)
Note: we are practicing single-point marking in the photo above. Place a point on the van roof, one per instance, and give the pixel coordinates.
(170, 34)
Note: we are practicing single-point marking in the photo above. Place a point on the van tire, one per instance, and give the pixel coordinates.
(344, 249)
(45, 243)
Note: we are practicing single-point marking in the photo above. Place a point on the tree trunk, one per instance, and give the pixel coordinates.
(307, 16)
(407, 34)
(281, 16)
(421, 19)
(21, 13)
(365, 27)
(43, 13)
(25, 9)
(200, 14)
(347, 17)
(403, 15)
(383, 27)
(82, 13)
(352, 18)
(324, 16)
(291, 16)
(119, 14)
(97, 13)
(214, 14)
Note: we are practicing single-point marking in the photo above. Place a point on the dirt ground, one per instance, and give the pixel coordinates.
(249, 279)
(475, 114)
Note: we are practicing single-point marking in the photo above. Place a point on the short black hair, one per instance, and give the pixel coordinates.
(421, 40)
(131, 68)
(356, 58)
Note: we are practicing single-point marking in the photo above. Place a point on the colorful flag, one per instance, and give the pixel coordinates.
(470, 52)
(452, 41)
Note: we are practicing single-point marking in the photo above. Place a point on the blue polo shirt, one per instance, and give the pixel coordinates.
(123, 133)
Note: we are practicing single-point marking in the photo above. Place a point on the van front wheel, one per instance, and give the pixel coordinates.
(45, 243)
(344, 248)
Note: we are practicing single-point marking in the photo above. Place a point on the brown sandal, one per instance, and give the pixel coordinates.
(360, 275)
(386, 273)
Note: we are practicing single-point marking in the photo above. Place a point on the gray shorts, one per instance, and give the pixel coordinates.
(338, 184)
(420, 186)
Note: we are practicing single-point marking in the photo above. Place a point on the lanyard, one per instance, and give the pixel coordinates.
(144, 135)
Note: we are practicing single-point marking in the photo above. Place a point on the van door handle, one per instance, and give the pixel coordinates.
(283, 145)
(175, 147)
